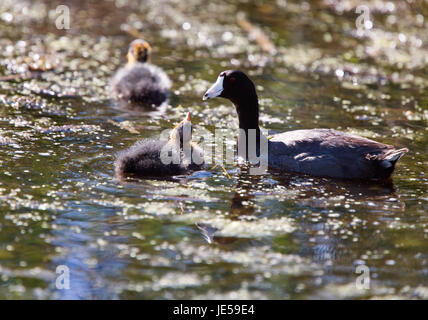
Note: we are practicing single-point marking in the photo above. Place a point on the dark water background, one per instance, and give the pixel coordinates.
(279, 235)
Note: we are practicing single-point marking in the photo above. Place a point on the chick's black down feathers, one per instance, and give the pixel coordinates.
(143, 160)
(141, 83)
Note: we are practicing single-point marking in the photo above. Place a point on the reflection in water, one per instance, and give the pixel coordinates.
(242, 200)
(317, 238)
(129, 109)
(241, 205)
(92, 262)
(279, 235)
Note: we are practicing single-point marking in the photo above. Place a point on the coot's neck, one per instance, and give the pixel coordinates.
(247, 108)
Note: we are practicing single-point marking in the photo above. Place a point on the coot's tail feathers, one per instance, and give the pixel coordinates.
(388, 158)
(395, 154)
(391, 157)
(383, 164)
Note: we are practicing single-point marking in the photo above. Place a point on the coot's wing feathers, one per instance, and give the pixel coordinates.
(327, 152)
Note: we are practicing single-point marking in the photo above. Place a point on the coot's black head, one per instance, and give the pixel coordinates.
(182, 131)
(231, 84)
(139, 51)
(238, 88)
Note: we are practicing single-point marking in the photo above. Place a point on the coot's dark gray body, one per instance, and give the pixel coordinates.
(318, 152)
(331, 153)
(141, 83)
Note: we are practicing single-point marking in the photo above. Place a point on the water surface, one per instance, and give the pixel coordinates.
(277, 236)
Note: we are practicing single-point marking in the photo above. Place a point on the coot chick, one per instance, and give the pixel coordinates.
(317, 152)
(140, 82)
(150, 158)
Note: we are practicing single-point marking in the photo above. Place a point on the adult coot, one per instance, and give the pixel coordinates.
(140, 82)
(318, 152)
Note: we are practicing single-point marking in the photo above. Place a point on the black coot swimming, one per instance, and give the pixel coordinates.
(140, 82)
(318, 152)
(150, 158)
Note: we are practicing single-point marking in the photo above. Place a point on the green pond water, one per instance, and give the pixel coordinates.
(277, 236)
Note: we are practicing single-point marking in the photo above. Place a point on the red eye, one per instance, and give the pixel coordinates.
(232, 79)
